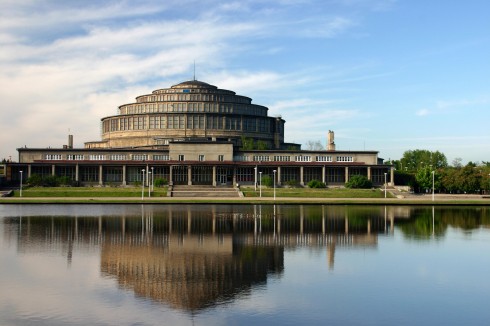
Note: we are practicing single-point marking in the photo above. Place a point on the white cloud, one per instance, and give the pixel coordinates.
(422, 112)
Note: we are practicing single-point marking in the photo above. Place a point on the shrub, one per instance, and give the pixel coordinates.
(51, 181)
(316, 184)
(267, 181)
(35, 180)
(160, 182)
(292, 183)
(359, 182)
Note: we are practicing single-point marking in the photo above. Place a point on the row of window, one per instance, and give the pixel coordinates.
(193, 107)
(187, 96)
(103, 157)
(199, 122)
(201, 157)
(297, 158)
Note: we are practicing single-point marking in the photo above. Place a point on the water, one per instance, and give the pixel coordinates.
(243, 265)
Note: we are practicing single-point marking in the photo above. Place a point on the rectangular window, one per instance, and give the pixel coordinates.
(140, 157)
(323, 158)
(201, 157)
(282, 158)
(345, 159)
(261, 158)
(96, 157)
(117, 157)
(302, 158)
(53, 157)
(75, 157)
(221, 158)
(181, 157)
(160, 157)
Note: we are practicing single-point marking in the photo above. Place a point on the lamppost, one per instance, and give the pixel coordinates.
(152, 180)
(255, 178)
(433, 178)
(385, 184)
(142, 184)
(260, 184)
(149, 186)
(274, 184)
(20, 183)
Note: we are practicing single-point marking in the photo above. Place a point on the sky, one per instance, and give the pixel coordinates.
(384, 75)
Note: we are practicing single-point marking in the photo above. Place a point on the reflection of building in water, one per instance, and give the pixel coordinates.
(190, 272)
(196, 256)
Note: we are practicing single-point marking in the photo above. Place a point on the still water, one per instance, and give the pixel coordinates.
(244, 265)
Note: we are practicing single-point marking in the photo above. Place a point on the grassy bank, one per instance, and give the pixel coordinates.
(110, 192)
(316, 193)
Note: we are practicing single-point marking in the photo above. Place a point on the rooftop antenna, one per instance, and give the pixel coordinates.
(194, 70)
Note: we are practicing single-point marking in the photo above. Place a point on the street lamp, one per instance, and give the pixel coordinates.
(20, 183)
(260, 185)
(274, 184)
(149, 186)
(152, 180)
(433, 177)
(142, 183)
(385, 184)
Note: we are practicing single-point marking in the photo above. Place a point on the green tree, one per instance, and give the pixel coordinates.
(267, 181)
(359, 182)
(262, 145)
(414, 160)
(316, 184)
(247, 143)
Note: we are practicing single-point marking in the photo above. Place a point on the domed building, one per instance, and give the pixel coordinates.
(191, 110)
(194, 133)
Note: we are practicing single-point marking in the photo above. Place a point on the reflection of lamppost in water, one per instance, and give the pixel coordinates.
(142, 184)
(152, 180)
(255, 178)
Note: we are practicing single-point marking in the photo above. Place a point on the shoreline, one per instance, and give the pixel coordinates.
(414, 200)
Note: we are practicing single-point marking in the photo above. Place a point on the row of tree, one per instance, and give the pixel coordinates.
(423, 169)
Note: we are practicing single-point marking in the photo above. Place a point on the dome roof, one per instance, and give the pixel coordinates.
(194, 84)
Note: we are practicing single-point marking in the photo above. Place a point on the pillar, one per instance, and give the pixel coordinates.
(278, 176)
(189, 175)
(323, 174)
(100, 174)
(29, 171)
(170, 175)
(124, 175)
(392, 176)
(53, 170)
(214, 175)
(301, 182)
(77, 172)
(346, 174)
(369, 173)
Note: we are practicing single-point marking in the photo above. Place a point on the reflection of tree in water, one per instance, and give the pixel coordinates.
(425, 223)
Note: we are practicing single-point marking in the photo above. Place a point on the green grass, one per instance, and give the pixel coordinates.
(89, 192)
(316, 193)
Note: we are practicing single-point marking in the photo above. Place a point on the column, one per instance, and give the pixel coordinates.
(234, 177)
(189, 175)
(170, 175)
(278, 176)
(214, 175)
(346, 174)
(301, 182)
(369, 173)
(100, 175)
(392, 176)
(323, 174)
(124, 175)
(53, 170)
(29, 171)
(77, 172)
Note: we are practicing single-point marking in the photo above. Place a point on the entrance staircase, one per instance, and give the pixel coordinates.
(204, 191)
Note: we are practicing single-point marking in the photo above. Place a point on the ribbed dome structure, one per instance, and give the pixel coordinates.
(186, 111)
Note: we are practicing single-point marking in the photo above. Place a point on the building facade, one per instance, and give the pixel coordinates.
(194, 133)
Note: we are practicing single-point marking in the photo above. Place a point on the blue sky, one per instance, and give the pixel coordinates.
(385, 75)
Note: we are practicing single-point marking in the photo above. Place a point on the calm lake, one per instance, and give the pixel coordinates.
(244, 265)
